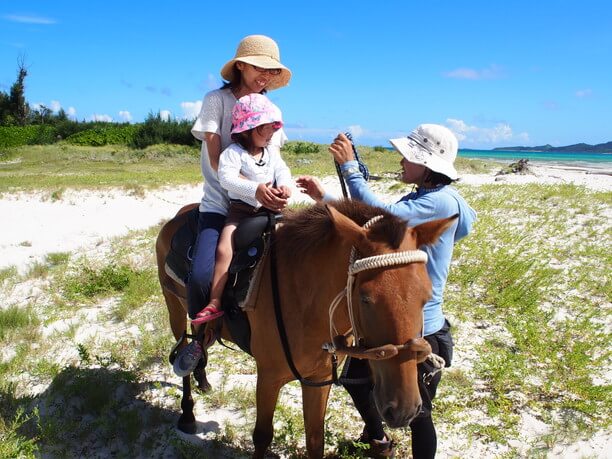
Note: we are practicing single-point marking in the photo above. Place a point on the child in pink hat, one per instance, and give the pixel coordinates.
(252, 174)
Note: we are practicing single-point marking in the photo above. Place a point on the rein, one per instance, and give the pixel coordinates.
(280, 325)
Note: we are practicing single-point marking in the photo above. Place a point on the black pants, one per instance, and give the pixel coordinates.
(424, 439)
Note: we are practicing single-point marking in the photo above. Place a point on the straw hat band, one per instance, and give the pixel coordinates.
(247, 58)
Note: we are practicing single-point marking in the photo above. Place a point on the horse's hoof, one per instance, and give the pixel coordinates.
(202, 382)
(204, 386)
(188, 427)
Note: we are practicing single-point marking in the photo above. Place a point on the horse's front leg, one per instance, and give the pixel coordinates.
(186, 422)
(315, 403)
(267, 395)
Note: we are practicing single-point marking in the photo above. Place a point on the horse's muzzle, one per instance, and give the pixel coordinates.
(396, 417)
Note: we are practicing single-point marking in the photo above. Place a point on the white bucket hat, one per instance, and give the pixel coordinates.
(431, 145)
(260, 51)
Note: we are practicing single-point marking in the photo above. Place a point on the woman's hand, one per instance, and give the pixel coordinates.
(269, 198)
(342, 149)
(311, 186)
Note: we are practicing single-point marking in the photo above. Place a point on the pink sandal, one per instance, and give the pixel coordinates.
(207, 314)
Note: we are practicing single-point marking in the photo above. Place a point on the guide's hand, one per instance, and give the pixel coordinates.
(311, 186)
(342, 149)
(268, 197)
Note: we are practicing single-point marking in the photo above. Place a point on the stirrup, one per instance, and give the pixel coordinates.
(175, 349)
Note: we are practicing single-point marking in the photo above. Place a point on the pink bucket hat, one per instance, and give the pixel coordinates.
(431, 145)
(254, 110)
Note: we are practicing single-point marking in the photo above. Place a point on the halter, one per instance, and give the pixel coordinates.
(338, 342)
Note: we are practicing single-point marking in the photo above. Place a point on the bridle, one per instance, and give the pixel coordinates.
(339, 342)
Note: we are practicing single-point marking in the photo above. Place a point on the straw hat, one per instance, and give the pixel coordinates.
(432, 146)
(260, 51)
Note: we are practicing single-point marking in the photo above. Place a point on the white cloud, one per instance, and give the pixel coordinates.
(191, 109)
(55, 106)
(165, 115)
(101, 117)
(470, 134)
(125, 116)
(463, 73)
(582, 93)
(29, 19)
(356, 131)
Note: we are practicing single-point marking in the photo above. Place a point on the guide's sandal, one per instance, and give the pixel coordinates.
(207, 314)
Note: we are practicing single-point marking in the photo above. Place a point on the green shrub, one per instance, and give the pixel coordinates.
(299, 147)
(16, 136)
(110, 134)
(155, 130)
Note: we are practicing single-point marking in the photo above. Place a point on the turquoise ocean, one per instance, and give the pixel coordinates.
(568, 159)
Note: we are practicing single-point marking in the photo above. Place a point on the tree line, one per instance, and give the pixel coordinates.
(21, 124)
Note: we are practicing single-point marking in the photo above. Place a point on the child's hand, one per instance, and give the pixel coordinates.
(311, 186)
(269, 198)
(284, 191)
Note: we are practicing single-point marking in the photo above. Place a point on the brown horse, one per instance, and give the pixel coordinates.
(313, 247)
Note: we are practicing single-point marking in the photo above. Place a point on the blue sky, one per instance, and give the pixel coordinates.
(498, 74)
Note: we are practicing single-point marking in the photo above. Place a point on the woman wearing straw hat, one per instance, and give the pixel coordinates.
(428, 155)
(255, 68)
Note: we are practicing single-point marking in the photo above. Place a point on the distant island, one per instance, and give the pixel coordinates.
(582, 147)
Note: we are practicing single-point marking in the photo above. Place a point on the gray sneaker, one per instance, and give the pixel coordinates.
(187, 359)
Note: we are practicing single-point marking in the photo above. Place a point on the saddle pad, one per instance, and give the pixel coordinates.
(178, 260)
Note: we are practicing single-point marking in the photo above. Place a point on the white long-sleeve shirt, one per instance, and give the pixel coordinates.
(236, 161)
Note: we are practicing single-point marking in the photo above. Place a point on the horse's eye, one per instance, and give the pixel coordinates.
(366, 300)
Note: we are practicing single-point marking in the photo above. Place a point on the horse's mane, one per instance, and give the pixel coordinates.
(304, 230)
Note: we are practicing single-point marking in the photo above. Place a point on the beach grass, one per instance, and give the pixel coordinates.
(56, 167)
(528, 296)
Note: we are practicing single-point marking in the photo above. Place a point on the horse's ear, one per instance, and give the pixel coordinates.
(428, 233)
(346, 227)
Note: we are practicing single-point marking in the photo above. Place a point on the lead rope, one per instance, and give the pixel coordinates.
(362, 167)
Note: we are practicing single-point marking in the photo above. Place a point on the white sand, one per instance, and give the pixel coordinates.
(35, 225)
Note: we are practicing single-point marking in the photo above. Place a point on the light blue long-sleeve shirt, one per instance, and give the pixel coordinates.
(420, 207)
